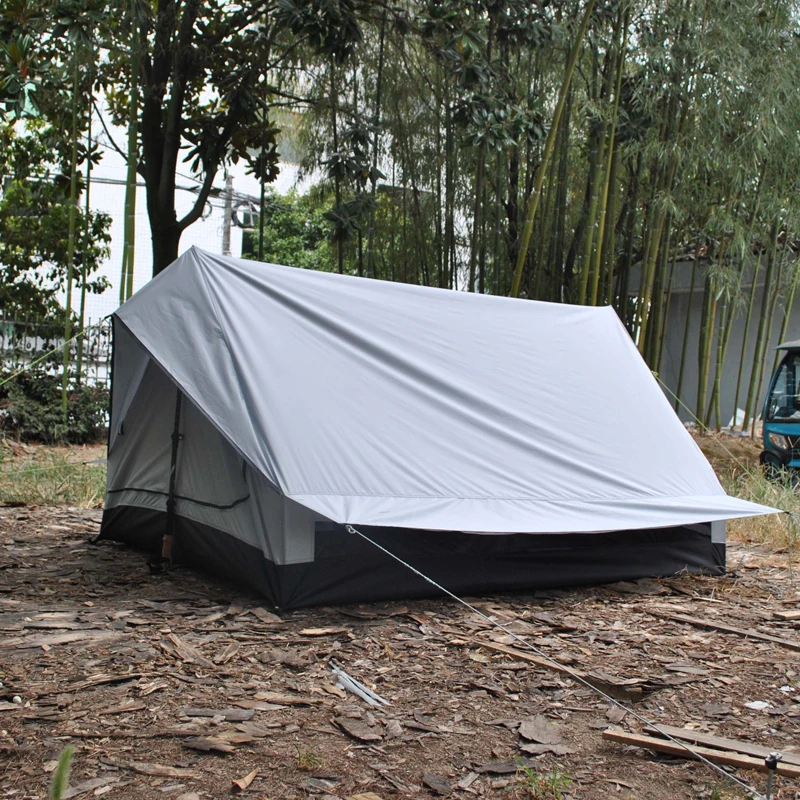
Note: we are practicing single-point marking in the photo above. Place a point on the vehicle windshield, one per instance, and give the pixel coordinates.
(784, 401)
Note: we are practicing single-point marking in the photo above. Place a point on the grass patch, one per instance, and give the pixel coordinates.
(776, 530)
(52, 478)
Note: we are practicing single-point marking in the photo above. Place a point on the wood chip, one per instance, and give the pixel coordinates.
(160, 770)
(616, 714)
(717, 756)
(287, 699)
(746, 748)
(229, 714)
(713, 625)
(126, 708)
(540, 749)
(539, 729)
(394, 730)
(358, 730)
(323, 631)
(174, 645)
(505, 767)
(90, 785)
(266, 616)
(225, 655)
(52, 640)
(436, 783)
(619, 690)
(242, 783)
(208, 744)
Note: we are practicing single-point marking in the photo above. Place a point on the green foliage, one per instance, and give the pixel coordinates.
(295, 233)
(543, 786)
(31, 408)
(307, 760)
(34, 221)
(61, 775)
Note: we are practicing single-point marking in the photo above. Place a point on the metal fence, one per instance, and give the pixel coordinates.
(28, 342)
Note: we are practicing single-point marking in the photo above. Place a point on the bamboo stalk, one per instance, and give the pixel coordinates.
(86, 232)
(129, 226)
(73, 199)
(684, 346)
(609, 170)
(548, 150)
(752, 391)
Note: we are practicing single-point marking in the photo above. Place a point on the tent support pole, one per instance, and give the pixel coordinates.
(169, 533)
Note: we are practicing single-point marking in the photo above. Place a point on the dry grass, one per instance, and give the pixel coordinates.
(735, 460)
(37, 475)
(779, 531)
(41, 475)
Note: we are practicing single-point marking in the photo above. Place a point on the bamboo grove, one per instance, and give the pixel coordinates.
(560, 150)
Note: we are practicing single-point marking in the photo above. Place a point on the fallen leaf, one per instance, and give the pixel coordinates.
(539, 729)
(90, 785)
(616, 714)
(242, 783)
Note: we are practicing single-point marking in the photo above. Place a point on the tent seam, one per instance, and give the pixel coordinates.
(578, 499)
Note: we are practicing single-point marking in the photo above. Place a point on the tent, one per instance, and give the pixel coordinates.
(492, 443)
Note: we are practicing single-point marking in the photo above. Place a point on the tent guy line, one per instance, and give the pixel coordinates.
(699, 421)
(578, 678)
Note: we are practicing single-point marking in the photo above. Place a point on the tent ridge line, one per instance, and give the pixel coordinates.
(593, 499)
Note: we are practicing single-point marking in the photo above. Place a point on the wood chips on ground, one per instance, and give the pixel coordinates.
(183, 687)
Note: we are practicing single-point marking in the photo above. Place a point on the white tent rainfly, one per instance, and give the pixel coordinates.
(492, 443)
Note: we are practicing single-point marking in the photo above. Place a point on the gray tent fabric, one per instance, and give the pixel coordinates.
(493, 443)
(388, 404)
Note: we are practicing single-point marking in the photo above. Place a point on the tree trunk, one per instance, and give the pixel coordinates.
(166, 240)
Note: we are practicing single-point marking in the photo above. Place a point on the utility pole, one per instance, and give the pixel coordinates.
(226, 225)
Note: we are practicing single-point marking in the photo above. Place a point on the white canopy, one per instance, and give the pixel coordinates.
(387, 404)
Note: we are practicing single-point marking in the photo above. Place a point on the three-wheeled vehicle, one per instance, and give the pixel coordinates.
(782, 415)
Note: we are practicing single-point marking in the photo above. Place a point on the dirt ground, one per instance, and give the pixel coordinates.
(139, 673)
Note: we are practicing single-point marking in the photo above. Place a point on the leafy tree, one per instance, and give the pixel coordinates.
(34, 220)
(294, 233)
(209, 72)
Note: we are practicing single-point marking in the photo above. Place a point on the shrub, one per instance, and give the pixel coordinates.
(31, 409)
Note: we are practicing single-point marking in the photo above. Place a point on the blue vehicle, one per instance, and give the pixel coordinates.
(781, 417)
